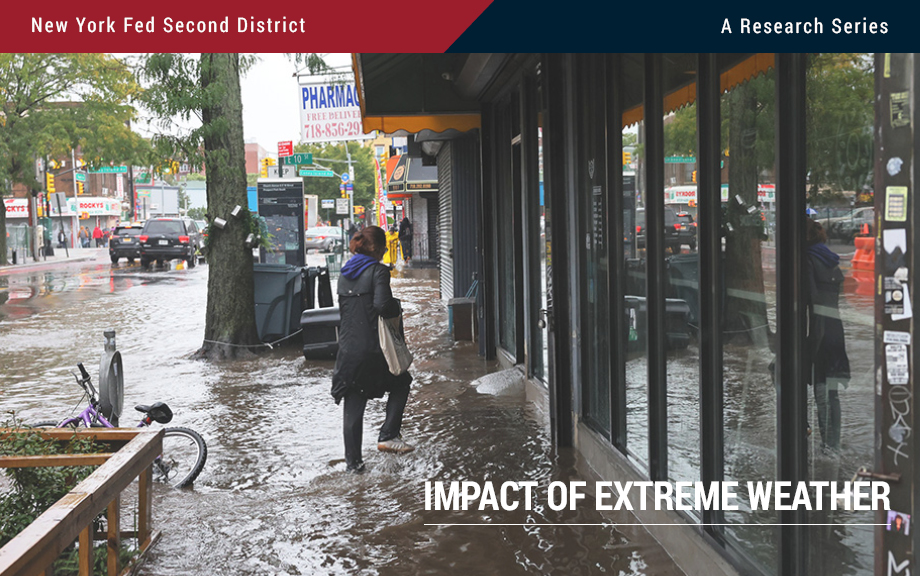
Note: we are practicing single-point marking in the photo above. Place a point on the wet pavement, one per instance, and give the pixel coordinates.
(274, 497)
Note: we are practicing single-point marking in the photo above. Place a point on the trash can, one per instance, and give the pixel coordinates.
(316, 282)
(278, 300)
(684, 282)
(677, 330)
(320, 331)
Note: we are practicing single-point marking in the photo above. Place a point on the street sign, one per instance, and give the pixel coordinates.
(341, 206)
(328, 203)
(298, 159)
(318, 173)
(110, 170)
(344, 177)
(285, 148)
(80, 176)
(349, 186)
(286, 171)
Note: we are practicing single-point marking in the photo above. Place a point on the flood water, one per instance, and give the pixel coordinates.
(274, 497)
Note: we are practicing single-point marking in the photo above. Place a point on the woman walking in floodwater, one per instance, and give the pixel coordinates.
(361, 370)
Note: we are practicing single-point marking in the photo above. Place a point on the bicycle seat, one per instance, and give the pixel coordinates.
(158, 411)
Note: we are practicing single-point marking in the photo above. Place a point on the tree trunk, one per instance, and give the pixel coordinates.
(745, 305)
(230, 323)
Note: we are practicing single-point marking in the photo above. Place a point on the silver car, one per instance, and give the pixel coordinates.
(324, 238)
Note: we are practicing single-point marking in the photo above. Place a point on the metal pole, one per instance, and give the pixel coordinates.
(76, 202)
(351, 179)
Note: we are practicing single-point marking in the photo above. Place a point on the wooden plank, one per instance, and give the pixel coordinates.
(85, 553)
(100, 434)
(54, 460)
(144, 503)
(39, 543)
(113, 542)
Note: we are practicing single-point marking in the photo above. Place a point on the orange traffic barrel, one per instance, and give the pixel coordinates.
(862, 265)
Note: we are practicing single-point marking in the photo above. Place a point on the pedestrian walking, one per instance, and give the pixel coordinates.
(829, 365)
(83, 235)
(405, 238)
(97, 236)
(361, 371)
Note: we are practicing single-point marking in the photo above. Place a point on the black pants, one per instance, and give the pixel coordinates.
(354, 422)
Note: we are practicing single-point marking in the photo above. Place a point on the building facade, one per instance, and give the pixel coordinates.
(730, 319)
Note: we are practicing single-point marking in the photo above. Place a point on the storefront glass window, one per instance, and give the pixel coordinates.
(635, 233)
(749, 307)
(505, 234)
(680, 233)
(593, 240)
(839, 271)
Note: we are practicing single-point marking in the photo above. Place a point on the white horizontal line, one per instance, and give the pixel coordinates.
(640, 524)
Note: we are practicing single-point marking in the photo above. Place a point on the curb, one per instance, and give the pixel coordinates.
(27, 265)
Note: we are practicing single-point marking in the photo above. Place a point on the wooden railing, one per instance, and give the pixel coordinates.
(33, 551)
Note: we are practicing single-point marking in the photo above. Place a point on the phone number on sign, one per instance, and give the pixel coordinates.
(332, 129)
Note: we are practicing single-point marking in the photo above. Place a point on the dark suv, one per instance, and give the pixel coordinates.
(168, 238)
(672, 239)
(124, 242)
(687, 233)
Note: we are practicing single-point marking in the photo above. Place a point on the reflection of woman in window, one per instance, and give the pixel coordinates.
(829, 364)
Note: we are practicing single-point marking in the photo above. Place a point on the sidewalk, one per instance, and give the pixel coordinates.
(60, 255)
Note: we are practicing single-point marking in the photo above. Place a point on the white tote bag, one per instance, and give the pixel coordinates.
(393, 344)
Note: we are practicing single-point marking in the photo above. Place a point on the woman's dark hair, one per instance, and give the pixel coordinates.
(814, 232)
(371, 241)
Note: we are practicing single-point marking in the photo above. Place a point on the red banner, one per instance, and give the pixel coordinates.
(116, 26)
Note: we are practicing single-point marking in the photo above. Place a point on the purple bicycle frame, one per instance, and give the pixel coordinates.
(87, 417)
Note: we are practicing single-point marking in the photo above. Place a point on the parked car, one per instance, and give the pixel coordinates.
(168, 238)
(850, 228)
(124, 242)
(672, 240)
(841, 227)
(687, 233)
(324, 238)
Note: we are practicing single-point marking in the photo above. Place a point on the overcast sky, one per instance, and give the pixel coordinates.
(271, 112)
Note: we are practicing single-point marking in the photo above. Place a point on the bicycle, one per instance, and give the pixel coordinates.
(184, 450)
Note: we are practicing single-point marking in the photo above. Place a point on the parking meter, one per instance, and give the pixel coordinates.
(111, 380)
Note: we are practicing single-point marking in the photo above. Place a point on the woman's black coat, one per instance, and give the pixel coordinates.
(825, 329)
(360, 365)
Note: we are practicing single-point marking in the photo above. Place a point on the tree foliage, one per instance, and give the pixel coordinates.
(362, 160)
(52, 103)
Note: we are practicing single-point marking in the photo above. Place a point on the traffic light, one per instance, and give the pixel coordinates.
(49, 182)
(79, 187)
(175, 166)
(693, 177)
(266, 162)
(627, 157)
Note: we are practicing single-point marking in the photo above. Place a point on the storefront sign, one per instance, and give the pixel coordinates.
(95, 206)
(16, 207)
(330, 112)
(688, 194)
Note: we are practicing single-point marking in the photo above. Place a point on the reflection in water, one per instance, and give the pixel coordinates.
(274, 497)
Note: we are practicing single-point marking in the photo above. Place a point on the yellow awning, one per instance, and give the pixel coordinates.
(741, 72)
(389, 124)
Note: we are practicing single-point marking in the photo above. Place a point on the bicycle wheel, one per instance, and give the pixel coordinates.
(183, 457)
(51, 424)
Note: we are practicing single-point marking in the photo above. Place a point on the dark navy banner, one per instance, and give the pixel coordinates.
(515, 26)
